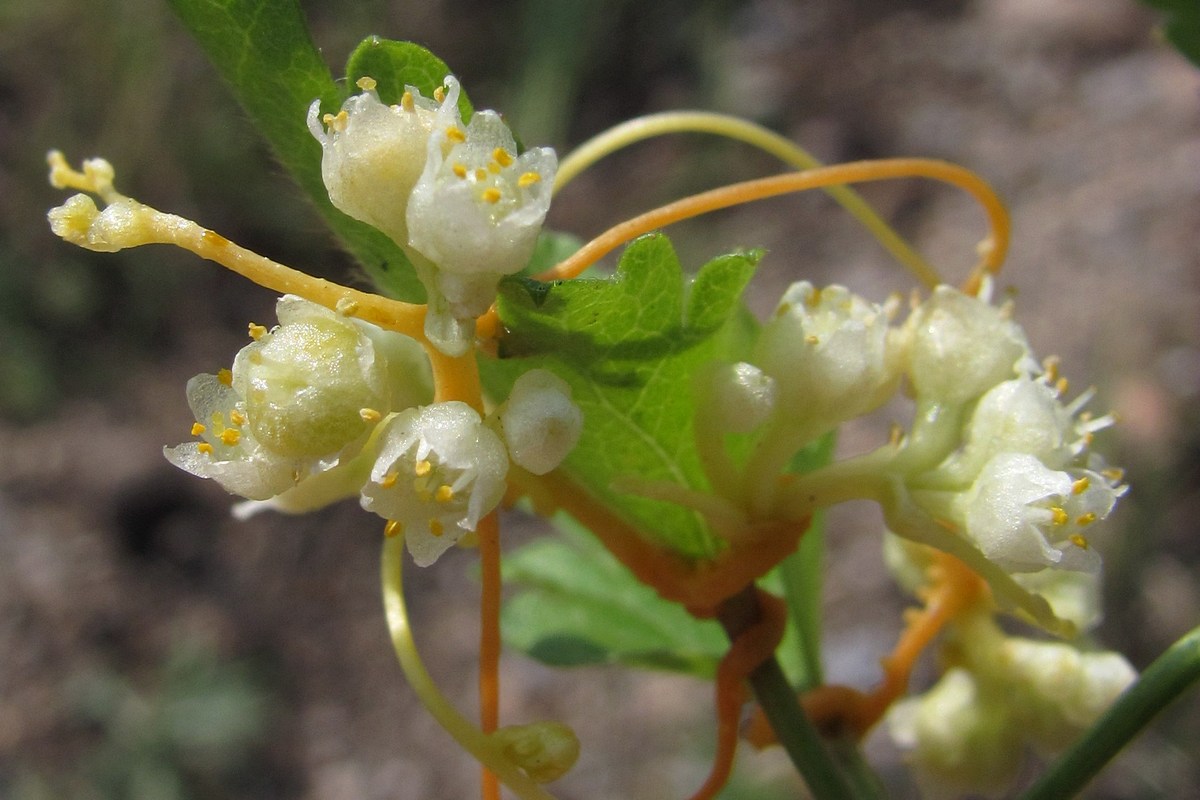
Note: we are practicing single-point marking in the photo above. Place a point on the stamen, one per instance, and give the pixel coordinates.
(393, 528)
(481, 174)
(369, 415)
(494, 167)
(225, 376)
(1061, 386)
(1080, 486)
(406, 101)
(444, 494)
(460, 169)
(812, 339)
(528, 179)
(1079, 540)
(502, 157)
(436, 527)
(1114, 474)
(389, 480)
(1060, 515)
(439, 94)
(366, 84)
(256, 331)
(422, 468)
(338, 123)
(491, 195)
(1086, 519)
(455, 134)
(237, 417)
(206, 448)
(230, 436)
(198, 428)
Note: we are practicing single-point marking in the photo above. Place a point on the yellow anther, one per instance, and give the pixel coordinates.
(1114, 474)
(198, 428)
(815, 299)
(256, 331)
(389, 480)
(237, 417)
(444, 494)
(1080, 486)
(1050, 364)
(494, 167)
(218, 421)
(225, 376)
(1059, 515)
(528, 179)
(205, 447)
(369, 415)
(393, 528)
(406, 101)
(812, 339)
(895, 434)
(491, 195)
(230, 436)
(327, 119)
(455, 134)
(1079, 540)
(502, 156)
(366, 84)
(460, 169)
(436, 527)
(481, 174)
(1086, 519)
(336, 123)
(1088, 438)
(1062, 385)
(439, 94)
(422, 468)
(345, 306)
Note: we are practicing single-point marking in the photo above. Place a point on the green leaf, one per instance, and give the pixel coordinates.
(629, 347)
(396, 65)
(1182, 26)
(264, 50)
(577, 605)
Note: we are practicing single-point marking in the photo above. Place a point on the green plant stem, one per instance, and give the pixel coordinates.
(1162, 682)
(795, 732)
(469, 737)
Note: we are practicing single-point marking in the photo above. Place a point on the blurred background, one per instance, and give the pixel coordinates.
(152, 647)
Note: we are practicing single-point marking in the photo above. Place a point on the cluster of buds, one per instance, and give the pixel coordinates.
(464, 206)
(995, 467)
(324, 407)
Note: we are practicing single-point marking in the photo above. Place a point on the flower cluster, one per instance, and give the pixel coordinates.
(458, 198)
(995, 469)
(324, 407)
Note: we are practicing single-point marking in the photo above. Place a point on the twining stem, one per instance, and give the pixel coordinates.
(470, 738)
(1171, 674)
(993, 249)
(641, 128)
(800, 739)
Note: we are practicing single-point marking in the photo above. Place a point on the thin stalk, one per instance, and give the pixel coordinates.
(1173, 673)
(470, 738)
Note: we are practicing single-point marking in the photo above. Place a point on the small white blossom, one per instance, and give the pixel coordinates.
(741, 396)
(300, 402)
(540, 423)
(829, 353)
(439, 470)
(1024, 516)
(960, 346)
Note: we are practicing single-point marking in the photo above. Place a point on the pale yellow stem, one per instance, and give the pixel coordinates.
(641, 128)
(470, 738)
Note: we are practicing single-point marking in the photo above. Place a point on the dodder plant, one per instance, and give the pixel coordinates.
(689, 439)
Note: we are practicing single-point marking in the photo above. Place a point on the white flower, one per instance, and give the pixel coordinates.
(540, 423)
(960, 346)
(300, 401)
(830, 354)
(741, 397)
(373, 154)
(478, 207)
(438, 472)
(1024, 516)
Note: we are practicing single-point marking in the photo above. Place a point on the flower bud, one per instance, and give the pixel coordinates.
(438, 472)
(541, 425)
(741, 396)
(544, 750)
(961, 346)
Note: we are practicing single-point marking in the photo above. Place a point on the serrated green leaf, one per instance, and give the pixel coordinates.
(629, 346)
(1182, 26)
(577, 605)
(264, 50)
